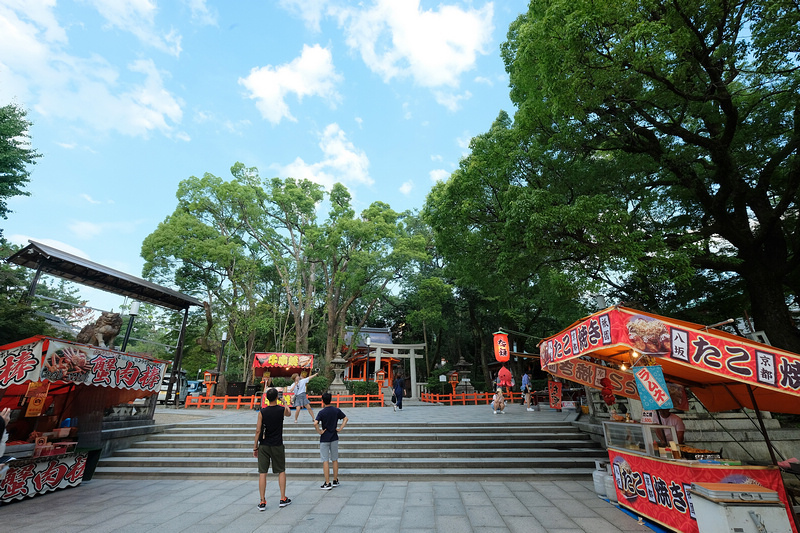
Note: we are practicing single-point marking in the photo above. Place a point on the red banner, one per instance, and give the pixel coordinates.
(283, 360)
(501, 350)
(659, 489)
(673, 343)
(590, 374)
(37, 476)
(554, 392)
(81, 364)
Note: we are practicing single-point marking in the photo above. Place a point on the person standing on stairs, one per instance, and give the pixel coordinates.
(268, 447)
(300, 398)
(399, 388)
(326, 425)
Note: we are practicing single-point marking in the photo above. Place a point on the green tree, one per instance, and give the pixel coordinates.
(679, 119)
(16, 155)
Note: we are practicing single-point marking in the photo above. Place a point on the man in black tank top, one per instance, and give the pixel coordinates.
(268, 447)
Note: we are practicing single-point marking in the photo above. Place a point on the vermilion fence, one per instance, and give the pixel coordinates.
(251, 402)
(479, 398)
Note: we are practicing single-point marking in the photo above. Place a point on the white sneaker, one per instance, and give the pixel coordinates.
(495, 412)
(531, 409)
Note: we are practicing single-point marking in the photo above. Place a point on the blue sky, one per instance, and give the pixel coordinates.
(129, 97)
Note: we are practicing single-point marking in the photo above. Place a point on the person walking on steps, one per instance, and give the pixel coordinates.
(325, 424)
(268, 447)
(399, 387)
(300, 398)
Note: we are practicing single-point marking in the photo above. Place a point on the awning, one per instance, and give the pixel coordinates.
(282, 364)
(718, 367)
(68, 366)
(65, 265)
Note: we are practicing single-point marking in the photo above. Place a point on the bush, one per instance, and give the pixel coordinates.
(361, 388)
(281, 382)
(318, 385)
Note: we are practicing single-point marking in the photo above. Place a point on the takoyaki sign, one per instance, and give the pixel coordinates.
(42, 358)
(619, 330)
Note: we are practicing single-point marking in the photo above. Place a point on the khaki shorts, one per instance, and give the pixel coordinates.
(274, 454)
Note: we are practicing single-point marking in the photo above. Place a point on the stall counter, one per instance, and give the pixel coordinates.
(37, 475)
(658, 488)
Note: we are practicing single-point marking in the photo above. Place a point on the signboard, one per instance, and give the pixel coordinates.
(40, 476)
(80, 364)
(590, 374)
(677, 343)
(288, 362)
(554, 393)
(652, 388)
(659, 489)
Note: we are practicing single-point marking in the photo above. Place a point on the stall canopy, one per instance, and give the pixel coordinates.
(72, 367)
(724, 371)
(49, 260)
(282, 364)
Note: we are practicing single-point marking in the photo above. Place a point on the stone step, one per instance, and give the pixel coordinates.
(231, 444)
(358, 452)
(378, 463)
(345, 475)
(365, 436)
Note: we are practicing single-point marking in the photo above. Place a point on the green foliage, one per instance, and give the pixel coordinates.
(16, 155)
(361, 388)
(281, 382)
(318, 385)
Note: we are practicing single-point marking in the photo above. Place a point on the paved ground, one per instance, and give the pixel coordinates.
(104, 505)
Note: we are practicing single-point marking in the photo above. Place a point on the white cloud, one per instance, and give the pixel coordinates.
(341, 162)
(437, 157)
(406, 111)
(68, 146)
(310, 11)
(484, 80)
(202, 15)
(311, 74)
(138, 18)
(397, 39)
(22, 240)
(406, 188)
(463, 141)
(90, 199)
(451, 100)
(83, 229)
(37, 69)
(438, 174)
(359, 121)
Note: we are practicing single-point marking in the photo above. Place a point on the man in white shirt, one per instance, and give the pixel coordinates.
(300, 397)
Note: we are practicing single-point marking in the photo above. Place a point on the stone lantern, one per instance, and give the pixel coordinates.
(462, 369)
(338, 363)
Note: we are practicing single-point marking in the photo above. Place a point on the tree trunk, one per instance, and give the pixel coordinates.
(769, 310)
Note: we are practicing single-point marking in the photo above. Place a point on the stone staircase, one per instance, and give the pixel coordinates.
(409, 451)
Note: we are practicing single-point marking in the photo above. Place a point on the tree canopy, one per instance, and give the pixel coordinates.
(16, 154)
(656, 143)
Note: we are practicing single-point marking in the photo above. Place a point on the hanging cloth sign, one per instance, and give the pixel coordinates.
(554, 392)
(652, 388)
(501, 351)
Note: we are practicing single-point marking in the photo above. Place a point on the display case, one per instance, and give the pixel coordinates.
(645, 439)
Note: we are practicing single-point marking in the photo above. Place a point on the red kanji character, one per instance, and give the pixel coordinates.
(102, 368)
(50, 476)
(150, 378)
(16, 481)
(128, 375)
(15, 368)
(75, 472)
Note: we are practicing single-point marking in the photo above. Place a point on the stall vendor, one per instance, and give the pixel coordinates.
(663, 417)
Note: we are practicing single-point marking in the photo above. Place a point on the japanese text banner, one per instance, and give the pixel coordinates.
(283, 360)
(677, 344)
(590, 374)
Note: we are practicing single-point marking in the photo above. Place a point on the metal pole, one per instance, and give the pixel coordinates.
(761, 423)
(176, 367)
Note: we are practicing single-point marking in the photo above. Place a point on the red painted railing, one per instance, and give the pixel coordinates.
(251, 402)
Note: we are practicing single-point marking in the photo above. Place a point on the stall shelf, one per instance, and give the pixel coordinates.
(723, 371)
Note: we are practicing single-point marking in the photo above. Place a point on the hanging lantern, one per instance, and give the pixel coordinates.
(501, 351)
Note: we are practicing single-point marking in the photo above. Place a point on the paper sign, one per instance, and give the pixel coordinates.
(652, 388)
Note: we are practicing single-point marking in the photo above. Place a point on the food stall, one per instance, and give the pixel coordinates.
(48, 384)
(272, 365)
(653, 474)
